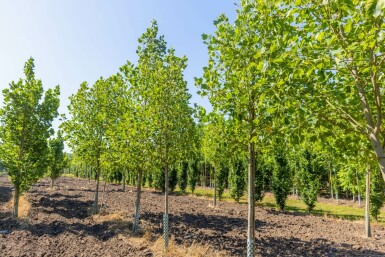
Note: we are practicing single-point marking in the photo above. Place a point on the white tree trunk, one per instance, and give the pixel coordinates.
(367, 206)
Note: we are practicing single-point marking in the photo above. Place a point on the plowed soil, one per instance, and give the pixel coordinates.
(59, 224)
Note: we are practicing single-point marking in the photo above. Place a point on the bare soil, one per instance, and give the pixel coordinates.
(59, 224)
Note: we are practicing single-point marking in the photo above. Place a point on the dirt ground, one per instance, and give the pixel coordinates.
(59, 224)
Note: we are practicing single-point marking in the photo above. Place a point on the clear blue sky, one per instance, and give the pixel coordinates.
(80, 40)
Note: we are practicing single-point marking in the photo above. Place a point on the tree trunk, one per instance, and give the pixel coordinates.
(379, 151)
(251, 202)
(104, 191)
(124, 181)
(135, 227)
(330, 180)
(97, 189)
(132, 182)
(215, 190)
(165, 216)
(367, 206)
(358, 189)
(51, 183)
(16, 197)
(89, 174)
(337, 196)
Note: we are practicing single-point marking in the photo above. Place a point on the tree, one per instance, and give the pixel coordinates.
(246, 72)
(57, 158)
(86, 131)
(214, 149)
(340, 57)
(171, 120)
(26, 119)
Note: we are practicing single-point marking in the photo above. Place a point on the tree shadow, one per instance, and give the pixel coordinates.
(280, 246)
(220, 232)
(58, 195)
(5, 193)
(103, 231)
(229, 234)
(67, 207)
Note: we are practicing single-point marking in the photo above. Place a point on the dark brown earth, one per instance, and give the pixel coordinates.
(59, 224)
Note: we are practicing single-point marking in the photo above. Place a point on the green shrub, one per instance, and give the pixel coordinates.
(281, 183)
(237, 180)
(182, 178)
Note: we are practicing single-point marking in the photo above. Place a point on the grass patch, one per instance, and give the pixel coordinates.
(175, 250)
(332, 209)
(328, 209)
(68, 175)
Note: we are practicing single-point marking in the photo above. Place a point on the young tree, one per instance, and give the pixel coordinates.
(26, 118)
(86, 130)
(341, 51)
(245, 73)
(171, 116)
(214, 149)
(57, 158)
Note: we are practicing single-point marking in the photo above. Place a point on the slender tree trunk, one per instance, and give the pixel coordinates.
(89, 172)
(16, 197)
(367, 205)
(330, 180)
(51, 183)
(97, 188)
(379, 151)
(135, 227)
(215, 189)
(104, 191)
(358, 189)
(251, 186)
(124, 181)
(337, 198)
(165, 216)
(132, 182)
